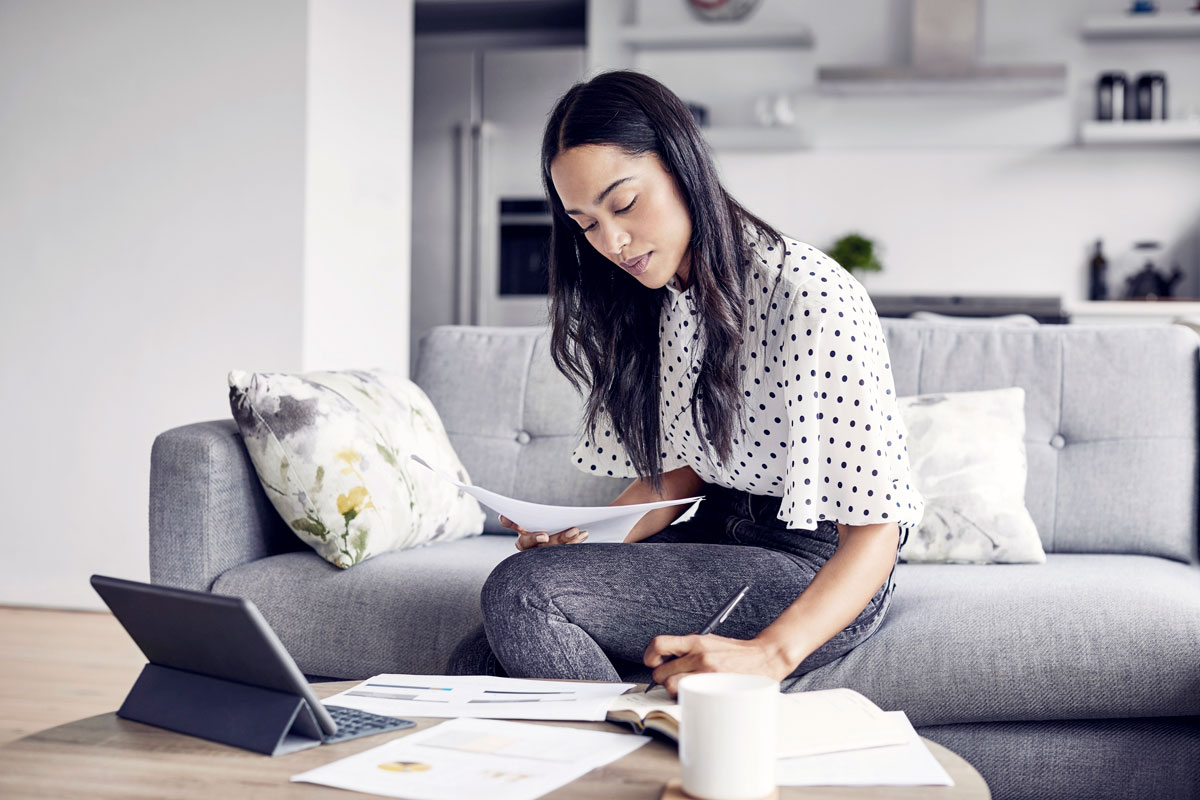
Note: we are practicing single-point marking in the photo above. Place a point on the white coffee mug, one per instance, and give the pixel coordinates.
(727, 735)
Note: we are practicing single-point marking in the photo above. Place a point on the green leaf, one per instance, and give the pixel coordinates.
(311, 526)
(387, 454)
(349, 517)
(359, 542)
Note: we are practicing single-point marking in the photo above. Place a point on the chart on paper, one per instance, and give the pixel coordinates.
(479, 697)
(446, 695)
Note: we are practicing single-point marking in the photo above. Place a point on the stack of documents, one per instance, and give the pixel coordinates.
(832, 737)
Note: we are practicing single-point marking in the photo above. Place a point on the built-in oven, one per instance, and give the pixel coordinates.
(524, 242)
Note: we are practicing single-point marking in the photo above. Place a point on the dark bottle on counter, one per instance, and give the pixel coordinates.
(1098, 276)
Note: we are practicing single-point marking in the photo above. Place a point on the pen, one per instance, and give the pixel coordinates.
(715, 620)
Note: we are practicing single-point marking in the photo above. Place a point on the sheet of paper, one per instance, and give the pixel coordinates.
(909, 764)
(479, 696)
(476, 758)
(833, 720)
(603, 523)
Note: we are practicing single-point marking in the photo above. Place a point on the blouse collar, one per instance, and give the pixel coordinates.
(673, 286)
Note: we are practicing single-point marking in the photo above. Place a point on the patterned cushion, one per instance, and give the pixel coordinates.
(332, 451)
(967, 453)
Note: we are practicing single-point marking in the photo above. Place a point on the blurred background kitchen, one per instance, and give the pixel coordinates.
(196, 186)
(960, 138)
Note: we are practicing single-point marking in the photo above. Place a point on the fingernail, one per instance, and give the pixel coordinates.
(543, 537)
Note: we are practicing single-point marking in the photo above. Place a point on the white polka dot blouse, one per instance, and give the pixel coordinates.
(820, 428)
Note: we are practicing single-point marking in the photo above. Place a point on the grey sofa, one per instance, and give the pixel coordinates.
(1076, 678)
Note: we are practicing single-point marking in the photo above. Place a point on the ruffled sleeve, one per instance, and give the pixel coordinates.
(847, 454)
(601, 452)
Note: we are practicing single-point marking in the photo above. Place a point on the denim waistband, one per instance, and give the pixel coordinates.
(749, 518)
(760, 509)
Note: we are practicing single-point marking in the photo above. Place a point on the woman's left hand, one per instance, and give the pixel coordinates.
(712, 653)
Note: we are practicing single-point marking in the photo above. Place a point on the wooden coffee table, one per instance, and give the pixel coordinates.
(106, 756)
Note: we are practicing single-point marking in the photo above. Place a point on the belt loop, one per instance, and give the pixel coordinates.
(750, 507)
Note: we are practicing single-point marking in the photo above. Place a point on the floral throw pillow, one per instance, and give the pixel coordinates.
(967, 451)
(332, 451)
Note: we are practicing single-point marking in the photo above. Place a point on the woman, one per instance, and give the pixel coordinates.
(720, 358)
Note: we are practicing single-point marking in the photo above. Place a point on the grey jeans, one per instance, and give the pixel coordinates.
(588, 611)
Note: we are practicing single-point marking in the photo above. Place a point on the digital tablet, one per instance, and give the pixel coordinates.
(211, 634)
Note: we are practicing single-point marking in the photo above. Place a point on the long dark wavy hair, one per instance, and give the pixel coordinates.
(604, 323)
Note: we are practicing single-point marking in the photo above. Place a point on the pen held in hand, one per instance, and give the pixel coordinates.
(715, 620)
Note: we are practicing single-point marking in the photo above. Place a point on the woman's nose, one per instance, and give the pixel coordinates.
(616, 241)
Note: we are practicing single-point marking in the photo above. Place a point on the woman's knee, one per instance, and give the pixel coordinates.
(513, 580)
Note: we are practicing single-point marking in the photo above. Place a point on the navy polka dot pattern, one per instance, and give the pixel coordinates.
(824, 429)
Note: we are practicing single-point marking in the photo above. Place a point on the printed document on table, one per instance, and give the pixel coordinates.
(476, 758)
(908, 764)
(603, 523)
(480, 696)
(833, 720)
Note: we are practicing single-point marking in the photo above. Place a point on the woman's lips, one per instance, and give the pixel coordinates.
(638, 265)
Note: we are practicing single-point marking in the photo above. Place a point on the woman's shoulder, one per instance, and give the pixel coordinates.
(809, 277)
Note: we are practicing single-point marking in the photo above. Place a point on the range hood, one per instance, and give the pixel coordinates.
(944, 48)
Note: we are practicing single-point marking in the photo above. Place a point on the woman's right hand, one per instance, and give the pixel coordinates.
(527, 540)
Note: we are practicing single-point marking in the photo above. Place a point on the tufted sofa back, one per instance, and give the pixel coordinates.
(1111, 419)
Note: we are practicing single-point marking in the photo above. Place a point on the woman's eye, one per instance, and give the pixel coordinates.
(619, 211)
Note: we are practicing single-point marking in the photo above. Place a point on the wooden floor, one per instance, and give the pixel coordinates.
(60, 666)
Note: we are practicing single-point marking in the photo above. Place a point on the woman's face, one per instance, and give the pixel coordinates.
(629, 208)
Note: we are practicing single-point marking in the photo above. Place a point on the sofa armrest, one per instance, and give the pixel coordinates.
(208, 511)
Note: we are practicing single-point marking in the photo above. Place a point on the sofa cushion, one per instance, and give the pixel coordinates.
(1110, 423)
(1079, 637)
(332, 452)
(511, 416)
(397, 612)
(968, 462)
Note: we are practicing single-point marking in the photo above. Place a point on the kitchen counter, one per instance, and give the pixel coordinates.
(1131, 311)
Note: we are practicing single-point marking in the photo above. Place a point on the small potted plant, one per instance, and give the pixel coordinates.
(856, 254)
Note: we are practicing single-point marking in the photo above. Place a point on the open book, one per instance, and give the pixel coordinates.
(810, 723)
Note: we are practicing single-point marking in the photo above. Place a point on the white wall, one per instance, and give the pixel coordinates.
(153, 233)
(966, 194)
(357, 231)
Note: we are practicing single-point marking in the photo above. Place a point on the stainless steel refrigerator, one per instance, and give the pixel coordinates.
(479, 219)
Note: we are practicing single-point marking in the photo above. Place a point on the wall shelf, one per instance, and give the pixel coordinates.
(715, 35)
(1169, 131)
(1162, 25)
(995, 79)
(730, 138)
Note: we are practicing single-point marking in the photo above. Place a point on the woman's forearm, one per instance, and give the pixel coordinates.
(838, 593)
(676, 484)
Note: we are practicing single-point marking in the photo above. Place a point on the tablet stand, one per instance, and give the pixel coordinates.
(251, 717)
